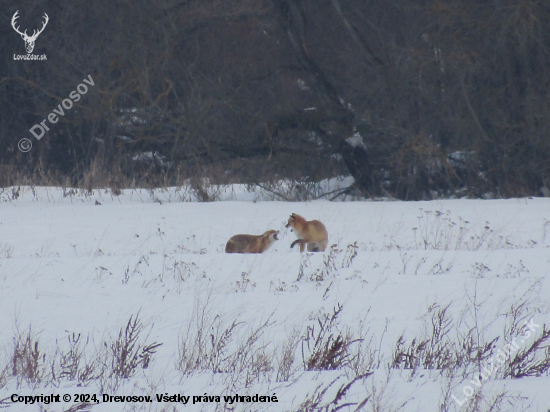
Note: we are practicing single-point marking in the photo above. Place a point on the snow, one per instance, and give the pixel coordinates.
(356, 140)
(85, 263)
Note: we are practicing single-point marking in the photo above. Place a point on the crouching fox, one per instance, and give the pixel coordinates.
(251, 243)
(313, 233)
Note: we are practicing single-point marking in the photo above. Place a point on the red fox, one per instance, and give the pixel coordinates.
(251, 243)
(312, 233)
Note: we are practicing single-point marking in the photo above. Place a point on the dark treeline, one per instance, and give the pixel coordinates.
(415, 99)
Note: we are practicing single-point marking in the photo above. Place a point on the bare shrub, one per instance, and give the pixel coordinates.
(72, 364)
(408, 356)
(80, 407)
(113, 361)
(471, 350)
(204, 191)
(191, 246)
(437, 349)
(128, 352)
(366, 356)
(287, 356)
(6, 251)
(533, 360)
(324, 347)
(315, 402)
(31, 365)
(211, 344)
(500, 402)
(421, 170)
(297, 190)
(27, 359)
(329, 267)
(437, 230)
(304, 263)
(204, 345)
(351, 253)
(332, 262)
(383, 397)
(439, 354)
(181, 270)
(252, 356)
(245, 282)
(4, 376)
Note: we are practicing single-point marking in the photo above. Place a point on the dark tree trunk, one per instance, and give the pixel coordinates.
(337, 122)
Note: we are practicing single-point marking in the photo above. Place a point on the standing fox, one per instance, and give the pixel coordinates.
(251, 243)
(312, 233)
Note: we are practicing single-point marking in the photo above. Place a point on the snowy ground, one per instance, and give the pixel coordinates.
(77, 264)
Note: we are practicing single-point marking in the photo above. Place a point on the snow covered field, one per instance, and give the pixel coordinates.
(133, 295)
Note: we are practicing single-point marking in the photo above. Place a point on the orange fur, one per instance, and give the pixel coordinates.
(313, 233)
(251, 243)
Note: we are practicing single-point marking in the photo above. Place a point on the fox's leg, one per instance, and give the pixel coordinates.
(313, 247)
(300, 242)
(294, 243)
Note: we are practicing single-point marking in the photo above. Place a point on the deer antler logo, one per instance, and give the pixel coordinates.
(29, 40)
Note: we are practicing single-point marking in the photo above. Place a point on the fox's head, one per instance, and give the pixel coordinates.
(269, 237)
(291, 220)
(272, 235)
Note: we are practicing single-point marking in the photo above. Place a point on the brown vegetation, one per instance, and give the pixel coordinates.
(415, 100)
